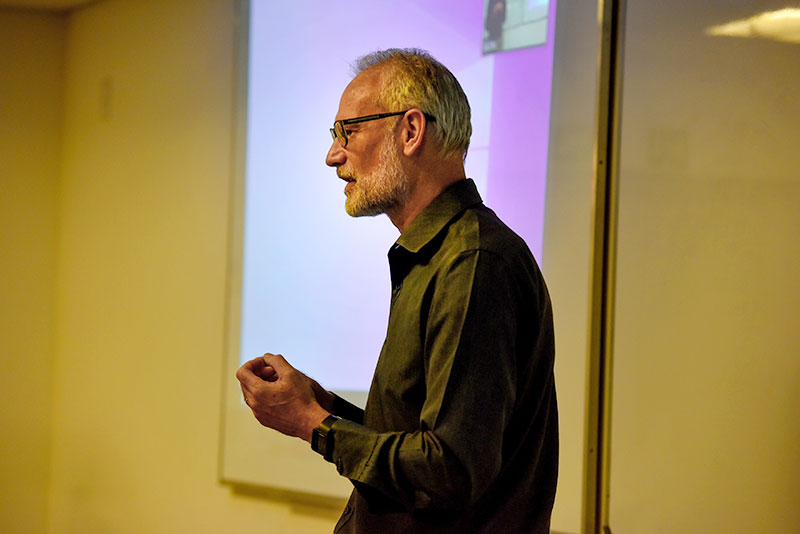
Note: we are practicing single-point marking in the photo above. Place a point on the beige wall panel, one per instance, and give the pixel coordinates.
(30, 141)
(144, 215)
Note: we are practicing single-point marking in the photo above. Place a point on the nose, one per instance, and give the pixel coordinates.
(336, 155)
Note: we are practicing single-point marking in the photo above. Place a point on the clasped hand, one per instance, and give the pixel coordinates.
(283, 398)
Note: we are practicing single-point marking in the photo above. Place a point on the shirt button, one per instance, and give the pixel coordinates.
(339, 466)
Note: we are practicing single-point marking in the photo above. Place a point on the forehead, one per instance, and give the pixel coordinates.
(360, 97)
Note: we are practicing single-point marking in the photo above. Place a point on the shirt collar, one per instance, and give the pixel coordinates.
(438, 214)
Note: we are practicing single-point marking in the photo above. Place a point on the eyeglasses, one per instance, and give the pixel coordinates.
(339, 133)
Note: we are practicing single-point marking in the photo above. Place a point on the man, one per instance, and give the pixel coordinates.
(460, 428)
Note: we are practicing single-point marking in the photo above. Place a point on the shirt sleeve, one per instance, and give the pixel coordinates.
(347, 410)
(470, 381)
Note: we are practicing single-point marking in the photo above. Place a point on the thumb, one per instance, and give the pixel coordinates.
(277, 362)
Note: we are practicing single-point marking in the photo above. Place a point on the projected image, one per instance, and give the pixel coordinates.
(510, 24)
(315, 282)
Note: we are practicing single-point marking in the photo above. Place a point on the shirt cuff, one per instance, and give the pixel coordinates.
(352, 448)
(347, 410)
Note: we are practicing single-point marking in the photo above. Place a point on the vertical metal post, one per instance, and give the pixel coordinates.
(601, 321)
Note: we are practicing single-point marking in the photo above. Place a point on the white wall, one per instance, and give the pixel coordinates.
(705, 430)
(568, 232)
(30, 130)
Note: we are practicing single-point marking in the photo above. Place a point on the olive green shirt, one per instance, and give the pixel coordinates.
(460, 429)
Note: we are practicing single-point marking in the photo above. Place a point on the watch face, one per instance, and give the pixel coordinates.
(319, 436)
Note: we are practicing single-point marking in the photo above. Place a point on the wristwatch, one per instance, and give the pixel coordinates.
(321, 440)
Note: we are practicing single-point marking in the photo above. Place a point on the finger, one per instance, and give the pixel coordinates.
(267, 373)
(255, 364)
(277, 362)
(247, 377)
(260, 368)
(244, 395)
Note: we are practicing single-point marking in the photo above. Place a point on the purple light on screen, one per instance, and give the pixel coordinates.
(520, 123)
(315, 281)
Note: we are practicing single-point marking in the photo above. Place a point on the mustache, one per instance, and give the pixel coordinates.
(342, 173)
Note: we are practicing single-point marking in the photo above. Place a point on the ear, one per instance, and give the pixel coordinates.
(413, 131)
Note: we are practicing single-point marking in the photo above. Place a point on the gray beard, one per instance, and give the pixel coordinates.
(381, 190)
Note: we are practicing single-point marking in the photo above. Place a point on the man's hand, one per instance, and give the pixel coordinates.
(260, 367)
(282, 397)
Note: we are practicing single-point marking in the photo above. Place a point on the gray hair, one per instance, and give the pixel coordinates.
(416, 80)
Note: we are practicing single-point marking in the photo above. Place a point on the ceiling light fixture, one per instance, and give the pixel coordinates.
(782, 25)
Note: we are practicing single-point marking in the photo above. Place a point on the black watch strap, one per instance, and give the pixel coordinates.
(321, 438)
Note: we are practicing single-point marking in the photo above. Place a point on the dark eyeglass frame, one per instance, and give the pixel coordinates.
(339, 133)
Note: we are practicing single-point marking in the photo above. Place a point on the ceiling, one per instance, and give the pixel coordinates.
(46, 5)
